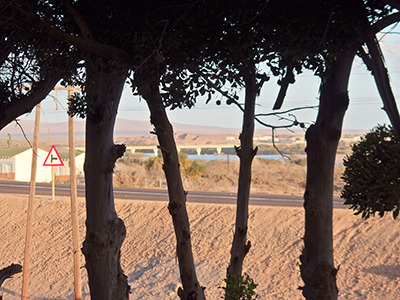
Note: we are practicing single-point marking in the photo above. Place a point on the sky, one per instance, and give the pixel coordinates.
(363, 113)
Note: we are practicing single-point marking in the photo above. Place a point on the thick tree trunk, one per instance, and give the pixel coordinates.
(105, 232)
(317, 266)
(246, 153)
(177, 195)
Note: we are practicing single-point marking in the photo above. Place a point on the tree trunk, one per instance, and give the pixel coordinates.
(317, 267)
(246, 153)
(105, 232)
(177, 195)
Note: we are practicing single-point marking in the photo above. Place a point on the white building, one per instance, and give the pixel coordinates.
(16, 162)
(62, 173)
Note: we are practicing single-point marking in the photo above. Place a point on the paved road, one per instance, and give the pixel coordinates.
(14, 187)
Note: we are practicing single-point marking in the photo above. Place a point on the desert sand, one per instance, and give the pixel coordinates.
(367, 251)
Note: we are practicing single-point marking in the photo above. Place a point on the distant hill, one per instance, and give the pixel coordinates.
(128, 128)
(123, 128)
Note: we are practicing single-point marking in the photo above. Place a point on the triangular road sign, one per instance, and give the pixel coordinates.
(53, 158)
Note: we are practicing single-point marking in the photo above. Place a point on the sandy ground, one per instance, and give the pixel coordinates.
(367, 251)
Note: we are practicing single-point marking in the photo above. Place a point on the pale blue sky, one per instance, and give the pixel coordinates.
(364, 111)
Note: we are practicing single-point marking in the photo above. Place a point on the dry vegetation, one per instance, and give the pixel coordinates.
(269, 175)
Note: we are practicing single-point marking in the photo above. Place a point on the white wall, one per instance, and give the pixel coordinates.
(64, 170)
(79, 161)
(23, 162)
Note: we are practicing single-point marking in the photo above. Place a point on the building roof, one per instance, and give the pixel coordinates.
(65, 155)
(12, 151)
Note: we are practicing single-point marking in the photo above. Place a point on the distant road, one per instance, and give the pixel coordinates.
(15, 187)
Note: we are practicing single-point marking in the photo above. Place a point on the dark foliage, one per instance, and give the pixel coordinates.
(372, 174)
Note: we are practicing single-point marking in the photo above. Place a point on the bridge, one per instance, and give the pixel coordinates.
(199, 148)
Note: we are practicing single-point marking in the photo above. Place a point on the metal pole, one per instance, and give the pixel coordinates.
(28, 237)
(74, 210)
(53, 188)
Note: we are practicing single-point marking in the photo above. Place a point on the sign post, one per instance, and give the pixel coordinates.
(53, 159)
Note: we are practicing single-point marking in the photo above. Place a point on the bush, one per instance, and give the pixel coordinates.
(300, 161)
(239, 287)
(188, 167)
(191, 168)
(270, 161)
(154, 163)
(372, 174)
(195, 169)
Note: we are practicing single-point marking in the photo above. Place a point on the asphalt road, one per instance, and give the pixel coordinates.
(14, 187)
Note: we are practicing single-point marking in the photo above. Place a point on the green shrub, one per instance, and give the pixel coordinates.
(239, 287)
(372, 174)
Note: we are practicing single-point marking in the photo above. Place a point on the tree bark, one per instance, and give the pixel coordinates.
(317, 266)
(177, 195)
(246, 153)
(105, 232)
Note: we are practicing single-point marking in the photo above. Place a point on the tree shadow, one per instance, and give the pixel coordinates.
(141, 268)
(9, 292)
(390, 271)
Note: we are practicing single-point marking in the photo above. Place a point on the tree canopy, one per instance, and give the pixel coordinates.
(173, 52)
(372, 174)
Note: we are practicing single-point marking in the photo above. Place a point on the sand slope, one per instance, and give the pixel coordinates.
(367, 251)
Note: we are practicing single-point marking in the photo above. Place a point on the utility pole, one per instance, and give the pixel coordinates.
(73, 189)
(28, 236)
(74, 210)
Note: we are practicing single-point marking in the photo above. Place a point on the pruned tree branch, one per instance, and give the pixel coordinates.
(159, 57)
(375, 63)
(393, 3)
(23, 133)
(232, 100)
(276, 147)
(26, 103)
(288, 79)
(85, 30)
(383, 23)
(100, 49)
(286, 111)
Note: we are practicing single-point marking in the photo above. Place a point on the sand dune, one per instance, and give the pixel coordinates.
(367, 251)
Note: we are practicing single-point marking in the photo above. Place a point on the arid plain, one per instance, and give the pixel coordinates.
(367, 251)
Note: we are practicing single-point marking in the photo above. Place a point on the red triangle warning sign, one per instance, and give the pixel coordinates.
(53, 158)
